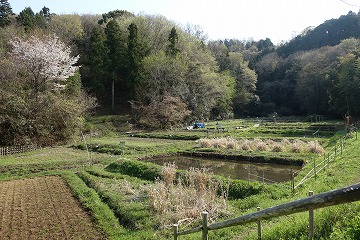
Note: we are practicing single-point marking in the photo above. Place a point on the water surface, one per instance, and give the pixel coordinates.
(234, 169)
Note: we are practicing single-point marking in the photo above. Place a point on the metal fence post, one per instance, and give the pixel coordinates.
(259, 226)
(175, 229)
(311, 219)
(204, 226)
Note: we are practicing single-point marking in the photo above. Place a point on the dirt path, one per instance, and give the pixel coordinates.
(42, 208)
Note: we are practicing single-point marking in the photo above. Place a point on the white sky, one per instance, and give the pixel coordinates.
(242, 19)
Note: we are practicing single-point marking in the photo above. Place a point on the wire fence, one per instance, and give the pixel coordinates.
(328, 158)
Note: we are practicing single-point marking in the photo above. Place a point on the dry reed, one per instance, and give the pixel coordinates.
(193, 192)
(285, 145)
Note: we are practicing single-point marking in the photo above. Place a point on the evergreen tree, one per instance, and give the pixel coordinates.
(5, 12)
(45, 12)
(173, 39)
(117, 57)
(98, 62)
(135, 54)
(26, 18)
(43, 17)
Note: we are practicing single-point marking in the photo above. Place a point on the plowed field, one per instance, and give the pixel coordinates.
(42, 208)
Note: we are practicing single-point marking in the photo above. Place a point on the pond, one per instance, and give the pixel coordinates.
(244, 170)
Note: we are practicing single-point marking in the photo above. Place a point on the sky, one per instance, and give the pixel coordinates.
(279, 20)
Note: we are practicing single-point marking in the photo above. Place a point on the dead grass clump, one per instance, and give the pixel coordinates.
(278, 147)
(245, 145)
(168, 172)
(205, 142)
(286, 142)
(270, 143)
(193, 192)
(262, 146)
(157, 197)
(297, 146)
(220, 143)
(315, 147)
(232, 143)
(255, 143)
(286, 145)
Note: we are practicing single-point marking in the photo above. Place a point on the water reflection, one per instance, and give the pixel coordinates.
(245, 170)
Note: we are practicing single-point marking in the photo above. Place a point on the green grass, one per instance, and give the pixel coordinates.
(344, 171)
(103, 216)
(105, 191)
(132, 212)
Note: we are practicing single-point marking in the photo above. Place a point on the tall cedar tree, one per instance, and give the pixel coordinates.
(5, 13)
(173, 39)
(98, 59)
(135, 54)
(117, 58)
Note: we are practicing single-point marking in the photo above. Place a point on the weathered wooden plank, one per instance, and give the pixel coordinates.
(331, 198)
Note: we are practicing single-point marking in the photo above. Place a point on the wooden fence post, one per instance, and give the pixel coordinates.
(175, 229)
(259, 226)
(311, 219)
(204, 226)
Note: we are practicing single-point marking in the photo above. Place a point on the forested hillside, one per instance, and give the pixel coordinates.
(55, 68)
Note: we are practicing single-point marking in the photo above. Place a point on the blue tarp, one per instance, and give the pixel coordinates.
(199, 125)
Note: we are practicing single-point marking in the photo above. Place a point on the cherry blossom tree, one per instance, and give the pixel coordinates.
(41, 96)
(47, 61)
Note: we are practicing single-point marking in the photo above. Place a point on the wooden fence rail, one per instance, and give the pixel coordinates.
(17, 149)
(331, 198)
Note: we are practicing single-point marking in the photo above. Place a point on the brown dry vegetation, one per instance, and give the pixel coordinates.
(295, 146)
(42, 208)
(183, 199)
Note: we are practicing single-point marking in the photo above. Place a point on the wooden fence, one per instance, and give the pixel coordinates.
(17, 149)
(331, 198)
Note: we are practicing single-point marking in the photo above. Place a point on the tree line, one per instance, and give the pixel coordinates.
(164, 74)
